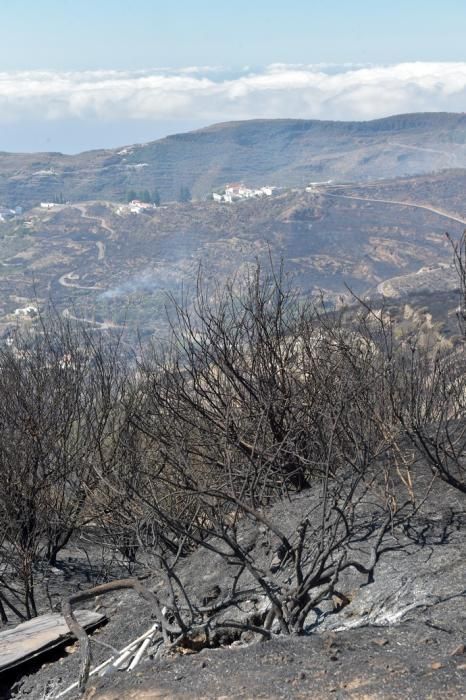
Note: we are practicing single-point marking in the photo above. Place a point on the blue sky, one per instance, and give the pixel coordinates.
(78, 74)
(78, 34)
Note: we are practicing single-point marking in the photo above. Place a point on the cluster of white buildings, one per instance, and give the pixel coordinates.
(135, 207)
(239, 191)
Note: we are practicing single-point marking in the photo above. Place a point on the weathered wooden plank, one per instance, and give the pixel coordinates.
(34, 637)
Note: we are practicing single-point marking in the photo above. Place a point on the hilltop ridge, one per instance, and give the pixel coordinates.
(280, 152)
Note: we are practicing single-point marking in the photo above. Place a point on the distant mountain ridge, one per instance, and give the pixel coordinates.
(281, 152)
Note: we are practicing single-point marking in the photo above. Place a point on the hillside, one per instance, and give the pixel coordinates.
(280, 152)
(267, 472)
(401, 636)
(98, 261)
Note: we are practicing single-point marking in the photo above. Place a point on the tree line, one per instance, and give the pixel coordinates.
(146, 196)
(153, 196)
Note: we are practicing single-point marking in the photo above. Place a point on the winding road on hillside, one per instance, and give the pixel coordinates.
(414, 205)
(101, 219)
(396, 202)
(102, 325)
(425, 149)
(68, 279)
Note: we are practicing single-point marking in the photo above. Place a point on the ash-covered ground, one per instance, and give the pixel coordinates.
(402, 636)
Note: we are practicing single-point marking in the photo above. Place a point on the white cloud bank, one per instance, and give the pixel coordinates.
(207, 94)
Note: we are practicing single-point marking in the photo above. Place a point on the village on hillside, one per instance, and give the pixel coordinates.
(237, 191)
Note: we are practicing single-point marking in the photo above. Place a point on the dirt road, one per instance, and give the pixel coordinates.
(400, 203)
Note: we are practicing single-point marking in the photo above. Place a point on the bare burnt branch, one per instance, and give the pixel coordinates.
(258, 400)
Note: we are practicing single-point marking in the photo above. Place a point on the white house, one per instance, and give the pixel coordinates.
(27, 311)
(137, 207)
(313, 186)
(237, 190)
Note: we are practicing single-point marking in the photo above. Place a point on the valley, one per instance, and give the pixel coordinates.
(100, 262)
(259, 428)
